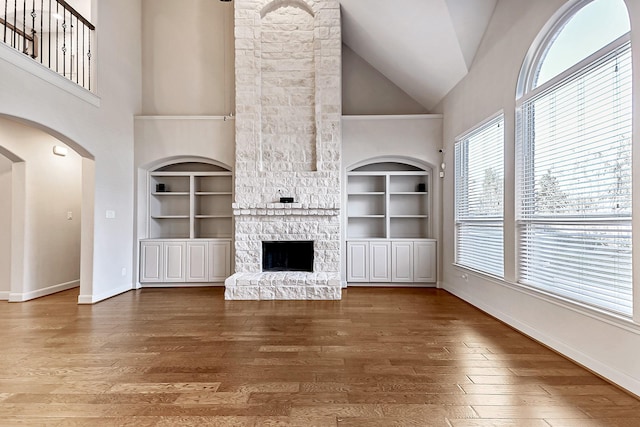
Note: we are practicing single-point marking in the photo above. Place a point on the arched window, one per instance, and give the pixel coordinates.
(574, 158)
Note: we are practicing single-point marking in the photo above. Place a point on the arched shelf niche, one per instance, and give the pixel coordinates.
(189, 222)
(388, 225)
(189, 198)
(389, 198)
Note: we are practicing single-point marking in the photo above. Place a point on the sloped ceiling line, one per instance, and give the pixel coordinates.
(425, 47)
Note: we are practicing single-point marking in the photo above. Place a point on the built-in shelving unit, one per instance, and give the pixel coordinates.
(190, 223)
(388, 224)
(386, 204)
(190, 203)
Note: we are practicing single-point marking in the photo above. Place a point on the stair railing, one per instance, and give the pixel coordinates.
(51, 32)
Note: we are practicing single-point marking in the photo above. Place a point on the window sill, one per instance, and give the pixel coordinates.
(612, 319)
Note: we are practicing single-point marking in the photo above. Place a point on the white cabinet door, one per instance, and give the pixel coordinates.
(197, 261)
(175, 261)
(357, 261)
(424, 262)
(150, 262)
(402, 261)
(379, 262)
(219, 261)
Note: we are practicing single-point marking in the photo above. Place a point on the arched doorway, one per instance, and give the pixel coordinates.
(51, 191)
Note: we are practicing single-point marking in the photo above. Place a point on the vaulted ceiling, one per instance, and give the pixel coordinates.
(425, 47)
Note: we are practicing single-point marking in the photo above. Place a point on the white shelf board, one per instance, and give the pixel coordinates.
(171, 193)
(213, 193)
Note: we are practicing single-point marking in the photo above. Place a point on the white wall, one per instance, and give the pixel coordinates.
(187, 57)
(5, 227)
(187, 87)
(163, 139)
(416, 137)
(604, 344)
(52, 190)
(367, 91)
(103, 132)
(81, 6)
(159, 137)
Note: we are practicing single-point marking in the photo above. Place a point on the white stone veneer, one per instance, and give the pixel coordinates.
(288, 144)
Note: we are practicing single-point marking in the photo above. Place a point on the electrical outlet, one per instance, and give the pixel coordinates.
(69, 215)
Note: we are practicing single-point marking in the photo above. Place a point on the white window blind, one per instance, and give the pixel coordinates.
(575, 185)
(479, 198)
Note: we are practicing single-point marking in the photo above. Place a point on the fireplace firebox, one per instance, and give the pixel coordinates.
(287, 256)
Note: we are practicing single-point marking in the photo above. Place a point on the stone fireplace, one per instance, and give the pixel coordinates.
(288, 145)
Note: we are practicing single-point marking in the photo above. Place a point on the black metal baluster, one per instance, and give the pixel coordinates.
(15, 16)
(89, 66)
(24, 26)
(64, 41)
(34, 35)
(57, 35)
(83, 57)
(77, 50)
(71, 46)
(49, 35)
(41, 27)
(6, 2)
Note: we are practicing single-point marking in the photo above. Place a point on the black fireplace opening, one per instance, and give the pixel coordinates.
(287, 256)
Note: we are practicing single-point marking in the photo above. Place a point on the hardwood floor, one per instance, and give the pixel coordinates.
(379, 357)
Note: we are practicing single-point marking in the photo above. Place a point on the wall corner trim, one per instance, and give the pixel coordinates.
(92, 299)
(34, 68)
(394, 117)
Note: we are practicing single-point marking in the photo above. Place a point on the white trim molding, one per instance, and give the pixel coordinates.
(27, 64)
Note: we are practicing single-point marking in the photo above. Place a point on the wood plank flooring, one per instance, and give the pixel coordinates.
(379, 357)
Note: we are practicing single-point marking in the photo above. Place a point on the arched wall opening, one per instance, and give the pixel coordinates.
(7, 171)
(388, 223)
(51, 222)
(151, 225)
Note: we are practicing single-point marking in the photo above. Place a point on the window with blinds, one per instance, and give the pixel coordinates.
(479, 198)
(574, 182)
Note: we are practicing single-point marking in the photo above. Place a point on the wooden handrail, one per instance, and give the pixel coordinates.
(33, 38)
(16, 30)
(75, 13)
(68, 42)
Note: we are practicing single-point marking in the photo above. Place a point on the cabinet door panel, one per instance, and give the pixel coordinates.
(197, 262)
(174, 261)
(150, 262)
(424, 262)
(380, 262)
(357, 261)
(402, 261)
(219, 261)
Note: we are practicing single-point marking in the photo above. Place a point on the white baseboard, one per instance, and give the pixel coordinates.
(183, 285)
(92, 299)
(610, 373)
(4, 296)
(390, 285)
(26, 296)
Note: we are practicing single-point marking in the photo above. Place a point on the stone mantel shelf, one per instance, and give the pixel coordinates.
(284, 209)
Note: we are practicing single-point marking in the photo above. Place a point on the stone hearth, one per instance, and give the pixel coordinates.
(288, 144)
